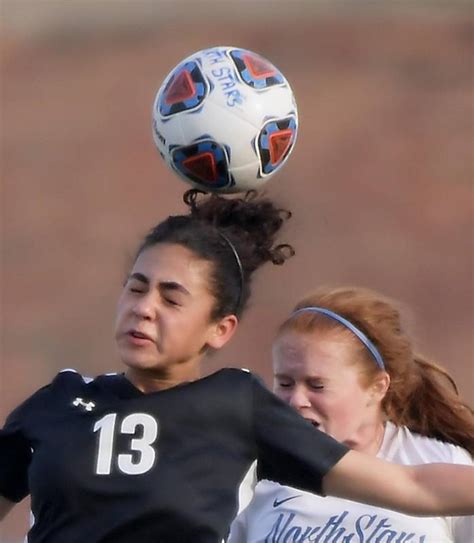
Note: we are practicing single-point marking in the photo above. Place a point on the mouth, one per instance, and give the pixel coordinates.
(139, 337)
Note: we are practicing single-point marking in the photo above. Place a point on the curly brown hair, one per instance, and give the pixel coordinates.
(235, 234)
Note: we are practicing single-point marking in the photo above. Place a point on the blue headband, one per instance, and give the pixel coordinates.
(365, 340)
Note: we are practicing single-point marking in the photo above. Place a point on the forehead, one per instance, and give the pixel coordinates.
(172, 262)
(311, 352)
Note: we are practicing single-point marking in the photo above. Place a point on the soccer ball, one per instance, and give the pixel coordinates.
(225, 120)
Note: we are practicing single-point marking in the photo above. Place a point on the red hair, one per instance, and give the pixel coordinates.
(422, 395)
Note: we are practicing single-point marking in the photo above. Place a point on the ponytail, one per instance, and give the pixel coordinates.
(433, 407)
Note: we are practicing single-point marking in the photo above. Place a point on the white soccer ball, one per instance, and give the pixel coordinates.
(225, 120)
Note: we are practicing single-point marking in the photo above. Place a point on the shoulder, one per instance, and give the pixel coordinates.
(405, 446)
(65, 383)
(233, 373)
(69, 381)
(71, 375)
(234, 377)
(249, 387)
(231, 385)
(237, 391)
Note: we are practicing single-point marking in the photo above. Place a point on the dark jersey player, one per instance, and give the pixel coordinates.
(156, 454)
(110, 463)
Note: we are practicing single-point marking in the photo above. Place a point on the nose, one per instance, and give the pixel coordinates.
(145, 308)
(298, 399)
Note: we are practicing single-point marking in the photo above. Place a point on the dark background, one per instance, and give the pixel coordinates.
(380, 181)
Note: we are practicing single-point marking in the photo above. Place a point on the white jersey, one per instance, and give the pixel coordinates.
(281, 514)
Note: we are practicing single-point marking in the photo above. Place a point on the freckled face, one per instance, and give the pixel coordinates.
(163, 313)
(314, 374)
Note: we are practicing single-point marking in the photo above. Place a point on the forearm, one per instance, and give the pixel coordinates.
(427, 490)
(447, 488)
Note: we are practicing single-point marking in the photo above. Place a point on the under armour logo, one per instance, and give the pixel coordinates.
(88, 406)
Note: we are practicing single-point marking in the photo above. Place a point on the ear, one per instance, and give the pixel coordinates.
(380, 386)
(222, 331)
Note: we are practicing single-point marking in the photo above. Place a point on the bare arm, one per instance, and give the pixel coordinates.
(428, 489)
(5, 506)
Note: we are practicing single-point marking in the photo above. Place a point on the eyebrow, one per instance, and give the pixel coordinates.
(139, 277)
(172, 285)
(165, 285)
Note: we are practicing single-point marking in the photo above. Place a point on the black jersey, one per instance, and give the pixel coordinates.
(105, 463)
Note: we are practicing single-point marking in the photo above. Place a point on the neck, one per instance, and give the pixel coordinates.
(152, 380)
(368, 437)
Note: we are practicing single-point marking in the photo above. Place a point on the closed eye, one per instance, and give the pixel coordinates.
(137, 284)
(173, 294)
(171, 302)
(285, 385)
(316, 385)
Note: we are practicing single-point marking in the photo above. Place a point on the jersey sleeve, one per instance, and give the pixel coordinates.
(15, 457)
(16, 448)
(291, 451)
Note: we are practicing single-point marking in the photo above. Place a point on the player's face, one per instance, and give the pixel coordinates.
(163, 315)
(316, 377)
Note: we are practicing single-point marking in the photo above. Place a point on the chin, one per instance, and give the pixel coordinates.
(139, 362)
(134, 359)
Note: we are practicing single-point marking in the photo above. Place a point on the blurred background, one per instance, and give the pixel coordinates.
(380, 182)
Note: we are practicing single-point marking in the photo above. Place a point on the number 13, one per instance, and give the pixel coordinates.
(143, 445)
